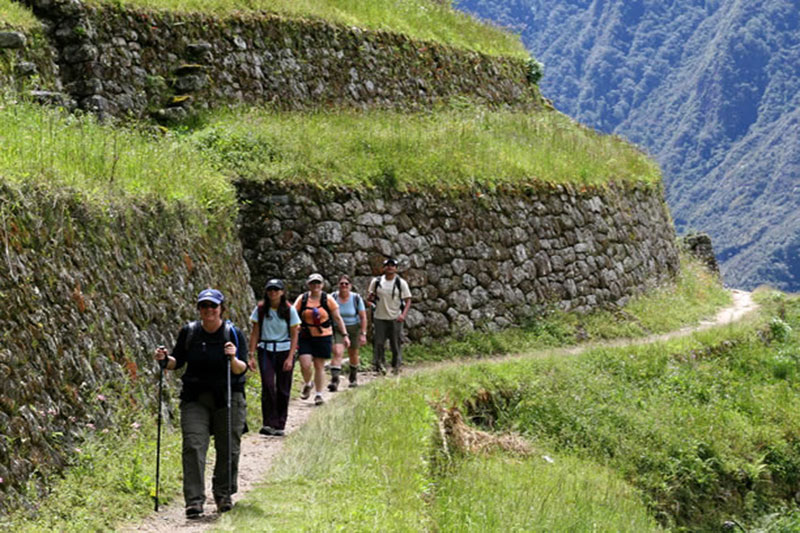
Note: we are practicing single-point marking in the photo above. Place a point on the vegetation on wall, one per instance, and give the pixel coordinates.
(449, 149)
(15, 15)
(419, 19)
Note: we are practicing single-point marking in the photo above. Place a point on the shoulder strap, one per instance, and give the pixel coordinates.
(397, 286)
(193, 325)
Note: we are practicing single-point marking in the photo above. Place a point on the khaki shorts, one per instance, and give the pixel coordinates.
(353, 331)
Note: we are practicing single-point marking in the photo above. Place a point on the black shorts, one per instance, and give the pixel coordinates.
(318, 347)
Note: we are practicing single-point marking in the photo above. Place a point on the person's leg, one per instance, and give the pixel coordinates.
(195, 429)
(355, 332)
(219, 481)
(379, 341)
(336, 366)
(319, 374)
(268, 393)
(306, 369)
(283, 391)
(394, 345)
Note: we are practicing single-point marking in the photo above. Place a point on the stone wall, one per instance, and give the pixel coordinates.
(473, 261)
(28, 63)
(88, 292)
(119, 62)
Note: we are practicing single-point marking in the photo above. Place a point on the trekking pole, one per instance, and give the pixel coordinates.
(158, 440)
(230, 432)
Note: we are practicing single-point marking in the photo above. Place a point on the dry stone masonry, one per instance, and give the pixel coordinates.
(471, 261)
(87, 293)
(116, 61)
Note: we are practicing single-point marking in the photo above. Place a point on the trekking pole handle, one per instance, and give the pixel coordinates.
(163, 361)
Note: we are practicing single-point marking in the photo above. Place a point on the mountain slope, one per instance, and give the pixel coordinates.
(710, 88)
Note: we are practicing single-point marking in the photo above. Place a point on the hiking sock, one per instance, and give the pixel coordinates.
(353, 374)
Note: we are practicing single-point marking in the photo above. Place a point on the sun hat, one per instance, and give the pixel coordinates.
(210, 295)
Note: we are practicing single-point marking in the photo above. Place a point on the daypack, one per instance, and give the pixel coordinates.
(262, 312)
(396, 286)
(323, 302)
(228, 334)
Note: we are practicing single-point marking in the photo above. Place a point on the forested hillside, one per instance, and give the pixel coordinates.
(710, 88)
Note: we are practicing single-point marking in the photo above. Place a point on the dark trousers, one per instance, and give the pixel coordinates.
(391, 329)
(276, 387)
(200, 419)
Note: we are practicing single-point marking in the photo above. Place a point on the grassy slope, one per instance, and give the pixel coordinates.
(123, 489)
(449, 150)
(14, 15)
(419, 19)
(707, 430)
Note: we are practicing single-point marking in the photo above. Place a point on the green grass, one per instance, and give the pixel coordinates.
(419, 19)
(695, 295)
(450, 149)
(53, 148)
(693, 432)
(470, 149)
(110, 479)
(14, 15)
(364, 465)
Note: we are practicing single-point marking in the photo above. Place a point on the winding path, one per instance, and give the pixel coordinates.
(258, 451)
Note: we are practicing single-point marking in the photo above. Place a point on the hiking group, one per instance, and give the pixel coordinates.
(315, 330)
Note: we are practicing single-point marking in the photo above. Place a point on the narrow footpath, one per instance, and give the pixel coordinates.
(259, 451)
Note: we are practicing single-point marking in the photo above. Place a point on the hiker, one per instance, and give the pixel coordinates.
(205, 347)
(354, 314)
(318, 311)
(274, 339)
(391, 297)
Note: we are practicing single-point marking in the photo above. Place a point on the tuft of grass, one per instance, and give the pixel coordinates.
(453, 149)
(419, 19)
(15, 15)
(51, 147)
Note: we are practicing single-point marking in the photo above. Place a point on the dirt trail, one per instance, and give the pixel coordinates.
(258, 451)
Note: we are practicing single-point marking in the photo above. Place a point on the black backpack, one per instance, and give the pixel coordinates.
(323, 302)
(228, 334)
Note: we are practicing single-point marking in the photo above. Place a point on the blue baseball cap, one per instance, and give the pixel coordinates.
(210, 295)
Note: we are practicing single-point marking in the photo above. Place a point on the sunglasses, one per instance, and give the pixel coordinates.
(314, 282)
(343, 284)
(273, 289)
(207, 305)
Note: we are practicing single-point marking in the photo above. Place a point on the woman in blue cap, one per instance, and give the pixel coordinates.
(274, 336)
(205, 347)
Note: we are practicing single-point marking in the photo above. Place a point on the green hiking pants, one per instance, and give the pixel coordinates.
(200, 419)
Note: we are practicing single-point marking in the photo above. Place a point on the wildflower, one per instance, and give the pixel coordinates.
(78, 450)
(101, 398)
(52, 411)
(72, 419)
(136, 425)
(1, 481)
(548, 459)
(90, 425)
(105, 430)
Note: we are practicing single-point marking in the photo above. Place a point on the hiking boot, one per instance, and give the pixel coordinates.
(318, 400)
(353, 377)
(267, 430)
(224, 503)
(278, 433)
(380, 370)
(194, 510)
(333, 386)
(306, 391)
(395, 370)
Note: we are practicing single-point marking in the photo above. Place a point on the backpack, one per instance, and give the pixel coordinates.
(323, 302)
(262, 312)
(396, 286)
(227, 334)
